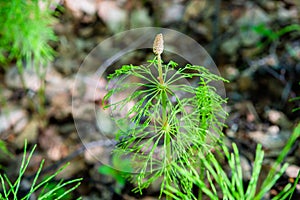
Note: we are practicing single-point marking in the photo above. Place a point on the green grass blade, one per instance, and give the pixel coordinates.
(3, 186)
(239, 176)
(295, 185)
(284, 193)
(250, 192)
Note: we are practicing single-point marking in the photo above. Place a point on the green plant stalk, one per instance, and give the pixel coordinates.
(23, 83)
(168, 154)
(164, 99)
(42, 102)
(165, 125)
(201, 176)
(160, 73)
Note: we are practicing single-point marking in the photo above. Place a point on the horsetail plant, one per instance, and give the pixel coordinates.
(26, 30)
(223, 186)
(168, 119)
(39, 189)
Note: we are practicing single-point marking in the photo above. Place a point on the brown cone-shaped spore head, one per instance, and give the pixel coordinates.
(158, 44)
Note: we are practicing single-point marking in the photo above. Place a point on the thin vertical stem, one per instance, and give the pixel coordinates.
(158, 47)
(41, 103)
(165, 124)
(201, 170)
(164, 95)
(160, 73)
(23, 82)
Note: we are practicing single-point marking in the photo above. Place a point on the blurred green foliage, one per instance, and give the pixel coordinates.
(272, 35)
(120, 171)
(25, 32)
(24, 39)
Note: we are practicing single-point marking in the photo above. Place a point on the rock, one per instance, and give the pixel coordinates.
(53, 144)
(95, 88)
(231, 46)
(68, 61)
(67, 128)
(287, 14)
(193, 9)
(84, 46)
(86, 32)
(253, 16)
(60, 105)
(292, 171)
(58, 94)
(278, 118)
(105, 124)
(246, 168)
(84, 111)
(63, 29)
(53, 4)
(15, 118)
(231, 72)
(271, 60)
(249, 37)
(31, 79)
(73, 169)
(53, 77)
(250, 52)
(270, 140)
(294, 51)
(87, 131)
(6, 94)
(96, 154)
(81, 7)
(273, 130)
(112, 15)
(66, 65)
(62, 86)
(202, 29)
(140, 18)
(269, 5)
(173, 13)
(30, 134)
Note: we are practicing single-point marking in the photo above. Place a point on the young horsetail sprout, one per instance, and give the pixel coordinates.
(179, 119)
